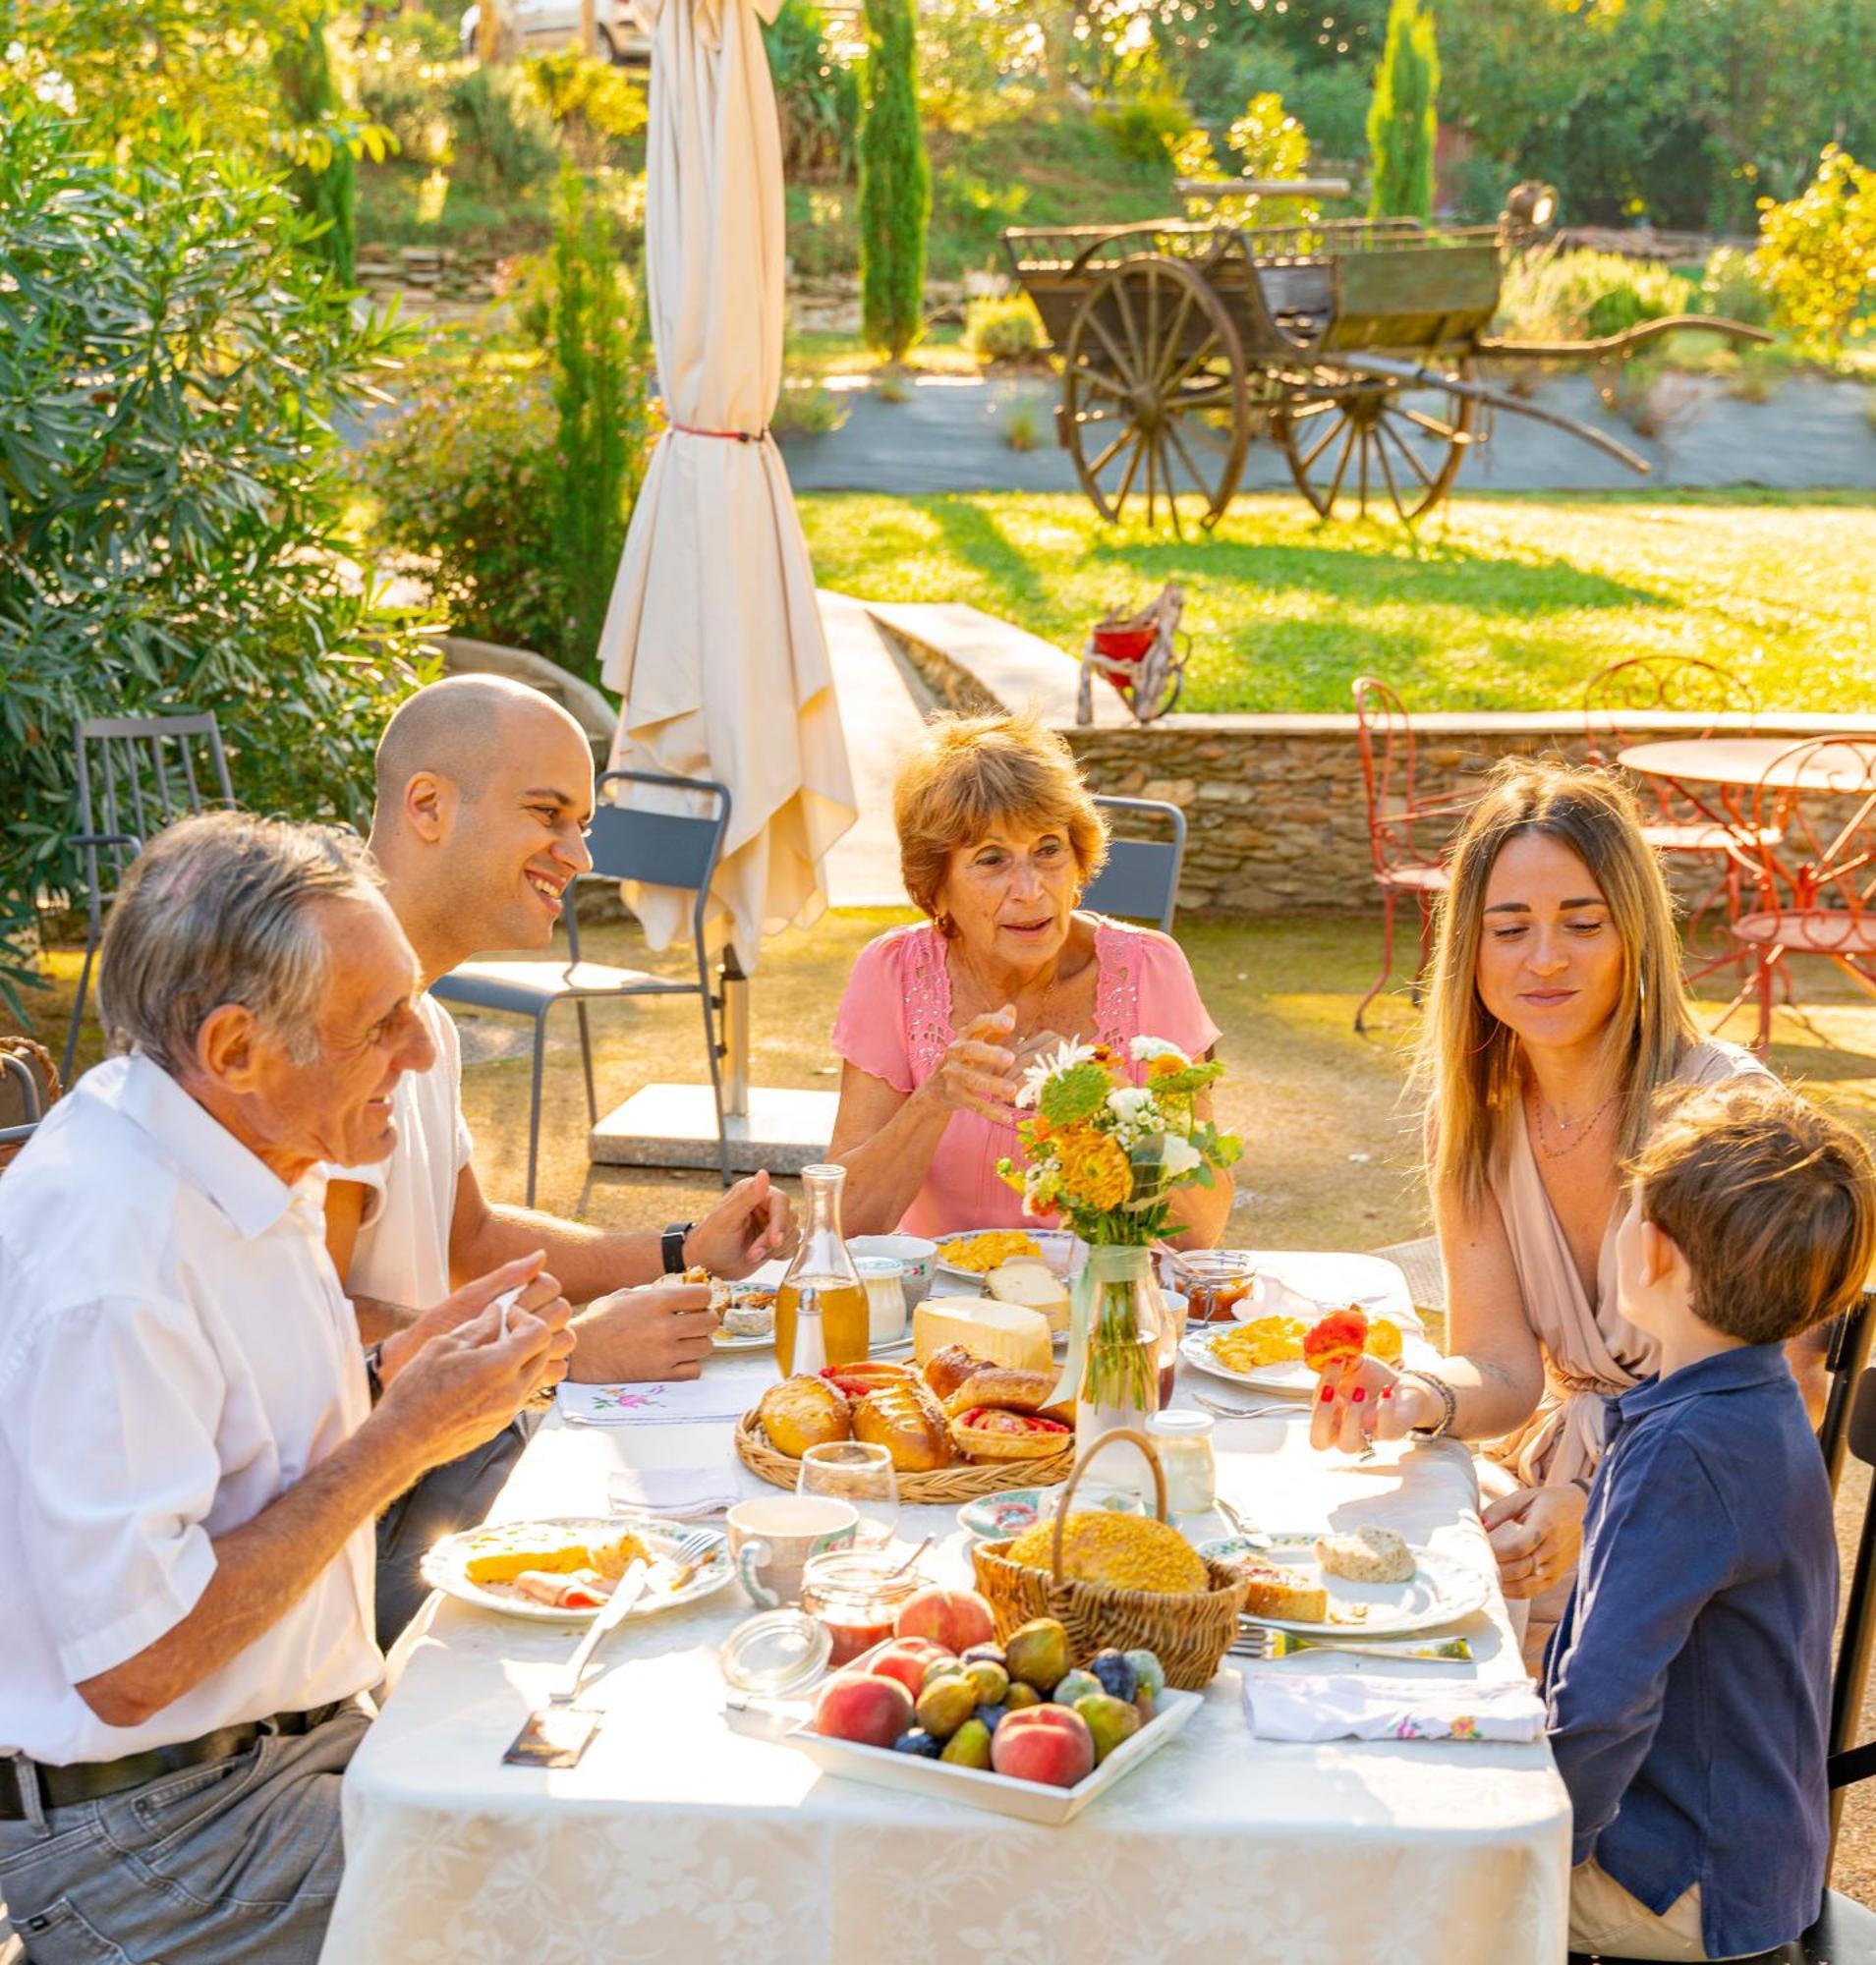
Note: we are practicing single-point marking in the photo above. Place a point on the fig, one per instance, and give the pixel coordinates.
(969, 1746)
(919, 1743)
(989, 1678)
(1116, 1674)
(1037, 1653)
(1076, 1685)
(1110, 1721)
(945, 1704)
(1148, 1675)
(993, 1717)
(1019, 1696)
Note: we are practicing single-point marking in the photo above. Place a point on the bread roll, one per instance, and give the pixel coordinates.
(1366, 1554)
(906, 1421)
(989, 1432)
(1005, 1386)
(946, 1370)
(1272, 1591)
(804, 1412)
(867, 1375)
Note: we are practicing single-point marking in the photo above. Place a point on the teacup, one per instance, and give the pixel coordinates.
(772, 1538)
(912, 1252)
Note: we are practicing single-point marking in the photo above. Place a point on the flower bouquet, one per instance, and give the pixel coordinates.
(1106, 1143)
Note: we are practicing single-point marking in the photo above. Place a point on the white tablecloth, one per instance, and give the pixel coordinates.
(688, 1835)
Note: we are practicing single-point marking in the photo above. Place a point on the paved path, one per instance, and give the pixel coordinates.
(948, 435)
(881, 720)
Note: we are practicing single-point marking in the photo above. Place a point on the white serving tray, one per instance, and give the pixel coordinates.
(1027, 1801)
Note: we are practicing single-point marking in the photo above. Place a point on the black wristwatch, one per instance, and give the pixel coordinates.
(374, 1375)
(671, 1247)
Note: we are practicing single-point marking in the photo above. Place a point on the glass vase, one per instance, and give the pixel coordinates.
(1120, 1372)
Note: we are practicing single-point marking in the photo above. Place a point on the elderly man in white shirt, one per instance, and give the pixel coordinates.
(484, 789)
(190, 1464)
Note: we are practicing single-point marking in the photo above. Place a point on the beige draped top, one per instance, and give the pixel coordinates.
(1591, 1352)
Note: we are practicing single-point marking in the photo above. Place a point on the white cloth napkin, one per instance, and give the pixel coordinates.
(1358, 1706)
(657, 1402)
(683, 1493)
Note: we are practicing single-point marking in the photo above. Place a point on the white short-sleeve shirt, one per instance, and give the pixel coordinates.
(175, 1354)
(402, 1252)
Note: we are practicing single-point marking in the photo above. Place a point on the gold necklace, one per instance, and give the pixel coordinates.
(1019, 1037)
(1586, 1126)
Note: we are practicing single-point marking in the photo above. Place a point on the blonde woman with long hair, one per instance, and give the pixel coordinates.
(1555, 1013)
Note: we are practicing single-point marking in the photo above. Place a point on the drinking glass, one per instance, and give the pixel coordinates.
(860, 1472)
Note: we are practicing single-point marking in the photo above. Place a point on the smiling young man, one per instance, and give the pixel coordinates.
(484, 790)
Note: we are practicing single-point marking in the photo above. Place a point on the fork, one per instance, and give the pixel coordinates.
(1271, 1410)
(691, 1550)
(1261, 1642)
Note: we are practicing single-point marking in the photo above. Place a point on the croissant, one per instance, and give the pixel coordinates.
(986, 1433)
(906, 1421)
(946, 1370)
(804, 1412)
(1007, 1386)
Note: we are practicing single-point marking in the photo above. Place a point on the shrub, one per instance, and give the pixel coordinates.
(1003, 328)
(895, 184)
(1403, 125)
(1144, 127)
(1570, 296)
(600, 110)
(503, 132)
(1729, 286)
(817, 93)
(407, 94)
(323, 180)
(1023, 424)
(1818, 253)
(172, 496)
(806, 409)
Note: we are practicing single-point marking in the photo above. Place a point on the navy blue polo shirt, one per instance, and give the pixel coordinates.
(1689, 1683)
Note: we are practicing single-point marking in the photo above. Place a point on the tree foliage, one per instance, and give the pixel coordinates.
(1817, 252)
(1402, 122)
(324, 177)
(895, 182)
(171, 487)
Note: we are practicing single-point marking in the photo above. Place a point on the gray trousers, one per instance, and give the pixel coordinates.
(456, 1496)
(234, 1861)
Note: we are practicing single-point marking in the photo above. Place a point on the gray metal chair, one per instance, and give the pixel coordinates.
(136, 773)
(1141, 879)
(21, 1103)
(658, 848)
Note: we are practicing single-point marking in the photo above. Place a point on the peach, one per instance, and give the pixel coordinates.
(871, 1711)
(1050, 1744)
(954, 1618)
(907, 1660)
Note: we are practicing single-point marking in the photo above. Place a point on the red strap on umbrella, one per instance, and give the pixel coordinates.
(728, 436)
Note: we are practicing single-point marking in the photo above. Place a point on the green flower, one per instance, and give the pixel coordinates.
(1075, 1094)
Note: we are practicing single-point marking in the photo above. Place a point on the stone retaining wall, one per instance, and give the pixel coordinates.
(1274, 805)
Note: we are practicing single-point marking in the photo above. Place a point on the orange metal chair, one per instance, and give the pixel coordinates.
(1814, 867)
(1408, 835)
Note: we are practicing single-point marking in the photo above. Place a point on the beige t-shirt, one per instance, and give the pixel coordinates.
(402, 1252)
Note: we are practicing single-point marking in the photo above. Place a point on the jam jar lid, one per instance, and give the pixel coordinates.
(776, 1653)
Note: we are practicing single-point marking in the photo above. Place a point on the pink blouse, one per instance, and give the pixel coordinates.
(896, 1023)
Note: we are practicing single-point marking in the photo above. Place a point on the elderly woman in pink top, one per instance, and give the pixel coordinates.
(997, 838)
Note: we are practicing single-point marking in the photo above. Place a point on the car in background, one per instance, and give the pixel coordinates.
(541, 25)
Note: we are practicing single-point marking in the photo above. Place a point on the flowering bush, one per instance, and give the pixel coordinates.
(1111, 1139)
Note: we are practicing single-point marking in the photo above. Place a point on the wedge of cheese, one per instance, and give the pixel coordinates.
(1005, 1333)
(1035, 1285)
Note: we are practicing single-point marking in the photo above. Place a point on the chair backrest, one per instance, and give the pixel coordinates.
(1642, 683)
(673, 840)
(135, 776)
(1856, 1640)
(1141, 878)
(1845, 1354)
(1404, 829)
(29, 1085)
(1815, 813)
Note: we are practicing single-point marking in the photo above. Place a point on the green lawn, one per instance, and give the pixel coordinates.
(1506, 603)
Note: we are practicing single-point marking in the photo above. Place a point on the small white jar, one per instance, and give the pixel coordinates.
(1183, 1440)
(884, 1280)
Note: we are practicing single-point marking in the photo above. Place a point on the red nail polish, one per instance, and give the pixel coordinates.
(1386, 1391)
(1358, 1394)
(1329, 1392)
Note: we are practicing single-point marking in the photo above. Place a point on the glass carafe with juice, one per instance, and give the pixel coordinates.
(822, 1264)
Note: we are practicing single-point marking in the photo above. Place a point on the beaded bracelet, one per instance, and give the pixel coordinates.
(1448, 1398)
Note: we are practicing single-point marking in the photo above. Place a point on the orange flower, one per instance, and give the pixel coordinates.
(1093, 1170)
(1169, 1064)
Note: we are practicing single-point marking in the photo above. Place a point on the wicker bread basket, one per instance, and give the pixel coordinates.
(942, 1485)
(1189, 1632)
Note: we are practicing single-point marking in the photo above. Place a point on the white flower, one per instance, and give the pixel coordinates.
(1038, 1074)
(1129, 1103)
(1178, 1156)
(1143, 1049)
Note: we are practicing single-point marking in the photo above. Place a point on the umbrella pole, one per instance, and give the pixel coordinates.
(735, 1012)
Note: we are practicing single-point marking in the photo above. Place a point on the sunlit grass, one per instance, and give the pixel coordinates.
(1498, 602)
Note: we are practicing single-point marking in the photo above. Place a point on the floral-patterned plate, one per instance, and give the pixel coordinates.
(442, 1568)
(1441, 1590)
(996, 1516)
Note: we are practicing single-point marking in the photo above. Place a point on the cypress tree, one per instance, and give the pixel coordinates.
(895, 182)
(323, 184)
(1402, 123)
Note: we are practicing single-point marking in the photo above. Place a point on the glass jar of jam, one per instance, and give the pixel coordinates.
(856, 1596)
(1211, 1282)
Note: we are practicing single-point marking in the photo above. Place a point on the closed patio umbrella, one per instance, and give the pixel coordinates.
(714, 637)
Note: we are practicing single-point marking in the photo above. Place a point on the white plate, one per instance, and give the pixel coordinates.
(1061, 1250)
(442, 1568)
(1441, 1590)
(1027, 1801)
(1292, 1378)
(722, 1340)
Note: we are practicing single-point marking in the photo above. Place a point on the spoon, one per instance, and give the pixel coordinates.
(910, 1559)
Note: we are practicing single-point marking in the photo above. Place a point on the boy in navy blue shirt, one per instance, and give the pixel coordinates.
(1689, 1683)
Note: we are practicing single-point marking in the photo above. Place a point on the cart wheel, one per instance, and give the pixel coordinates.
(1361, 436)
(1154, 396)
